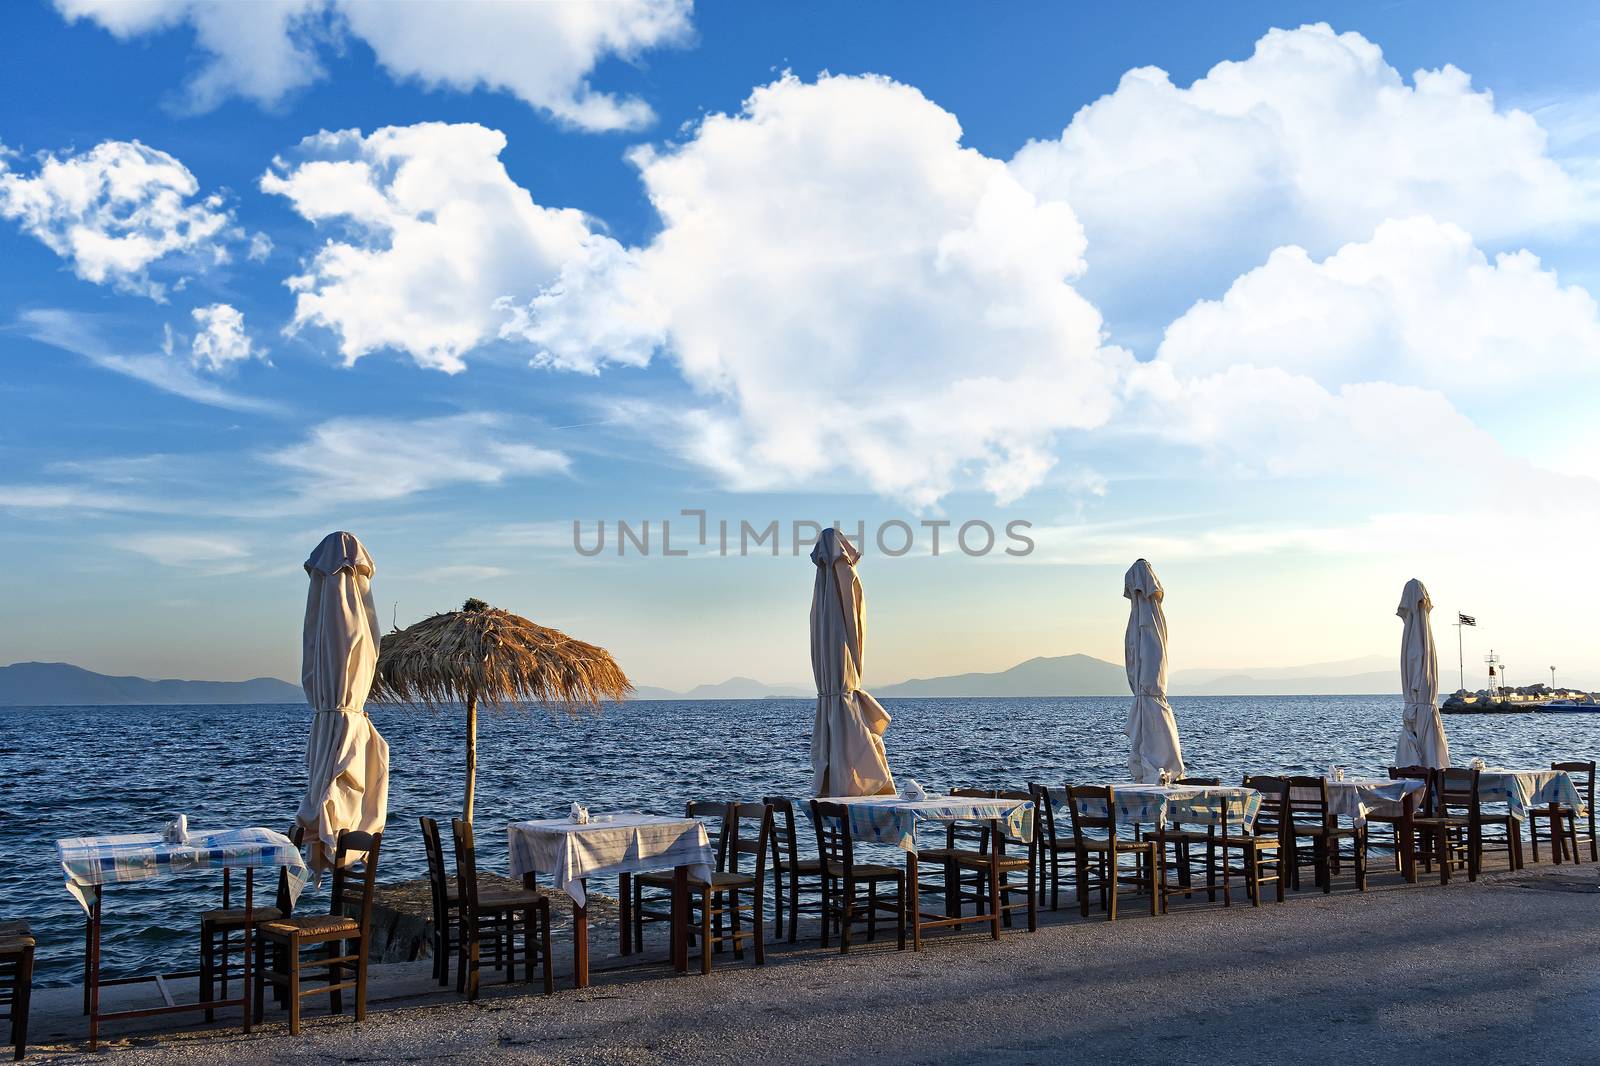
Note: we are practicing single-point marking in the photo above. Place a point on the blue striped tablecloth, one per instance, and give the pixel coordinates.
(894, 820)
(1521, 790)
(1171, 805)
(90, 861)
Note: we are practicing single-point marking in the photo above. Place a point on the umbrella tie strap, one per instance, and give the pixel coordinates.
(836, 692)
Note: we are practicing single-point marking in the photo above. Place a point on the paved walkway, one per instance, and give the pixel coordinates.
(1505, 970)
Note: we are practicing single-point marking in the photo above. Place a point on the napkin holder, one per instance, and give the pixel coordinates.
(580, 814)
(913, 791)
(176, 831)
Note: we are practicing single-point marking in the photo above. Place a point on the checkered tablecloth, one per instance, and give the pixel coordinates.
(893, 820)
(1170, 805)
(90, 861)
(1357, 798)
(608, 844)
(1521, 790)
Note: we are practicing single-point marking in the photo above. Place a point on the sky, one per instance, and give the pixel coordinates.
(1297, 301)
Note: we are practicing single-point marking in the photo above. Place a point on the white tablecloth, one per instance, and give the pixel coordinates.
(626, 843)
(1356, 798)
(1524, 789)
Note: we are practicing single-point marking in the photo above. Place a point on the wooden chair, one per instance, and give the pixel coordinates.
(1309, 818)
(1458, 822)
(720, 895)
(16, 981)
(446, 901)
(1422, 804)
(1261, 847)
(1564, 821)
(497, 916)
(1050, 846)
(344, 939)
(961, 864)
(1099, 858)
(1183, 840)
(657, 905)
(788, 870)
(842, 878)
(218, 926)
(1025, 864)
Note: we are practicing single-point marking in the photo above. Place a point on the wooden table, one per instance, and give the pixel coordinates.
(622, 844)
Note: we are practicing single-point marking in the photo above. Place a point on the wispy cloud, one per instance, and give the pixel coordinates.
(205, 554)
(74, 333)
(367, 459)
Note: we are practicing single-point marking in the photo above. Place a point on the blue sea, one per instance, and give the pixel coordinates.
(79, 771)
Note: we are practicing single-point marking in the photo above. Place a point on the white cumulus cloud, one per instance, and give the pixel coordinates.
(1417, 304)
(852, 293)
(1313, 140)
(432, 233)
(221, 340)
(542, 52)
(116, 211)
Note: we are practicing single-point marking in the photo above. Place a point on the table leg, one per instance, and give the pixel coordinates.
(580, 942)
(1405, 838)
(1557, 845)
(625, 910)
(249, 946)
(91, 972)
(994, 878)
(913, 900)
(680, 919)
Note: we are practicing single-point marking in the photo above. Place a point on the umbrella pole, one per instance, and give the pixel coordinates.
(472, 754)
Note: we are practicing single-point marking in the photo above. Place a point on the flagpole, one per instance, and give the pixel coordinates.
(1461, 659)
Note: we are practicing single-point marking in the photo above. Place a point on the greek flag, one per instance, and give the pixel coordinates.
(1466, 619)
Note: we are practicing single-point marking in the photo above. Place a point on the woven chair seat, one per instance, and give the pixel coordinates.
(505, 899)
(313, 925)
(234, 916)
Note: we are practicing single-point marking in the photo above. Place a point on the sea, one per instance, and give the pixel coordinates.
(82, 771)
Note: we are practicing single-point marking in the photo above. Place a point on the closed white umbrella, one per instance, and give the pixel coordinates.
(347, 760)
(1422, 740)
(1152, 730)
(847, 757)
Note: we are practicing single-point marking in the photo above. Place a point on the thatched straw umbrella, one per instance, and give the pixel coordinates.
(481, 653)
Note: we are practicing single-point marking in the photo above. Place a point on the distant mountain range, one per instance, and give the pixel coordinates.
(1084, 675)
(62, 685)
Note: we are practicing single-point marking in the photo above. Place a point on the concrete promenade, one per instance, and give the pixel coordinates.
(1504, 970)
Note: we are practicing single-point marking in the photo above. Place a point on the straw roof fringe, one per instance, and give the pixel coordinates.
(493, 656)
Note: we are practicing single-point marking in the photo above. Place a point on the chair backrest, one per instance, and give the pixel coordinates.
(716, 812)
(1100, 796)
(1273, 817)
(1307, 803)
(1199, 782)
(749, 829)
(785, 846)
(466, 849)
(1044, 814)
(438, 872)
(1457, 791)
(1425, 802)
(355, 874)
(1203, 782)
(1582, 774)
(834, 844)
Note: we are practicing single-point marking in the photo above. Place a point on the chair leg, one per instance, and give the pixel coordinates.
(705, 930)
(901, 912)
(759, 920)
(544, 947)
(335, 976)
(20, 1002)
(293, 951)
(205, 969)
(846, 915)
(361, 979)
(872, 910)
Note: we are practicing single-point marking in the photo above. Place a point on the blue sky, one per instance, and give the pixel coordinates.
(1297, 328)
